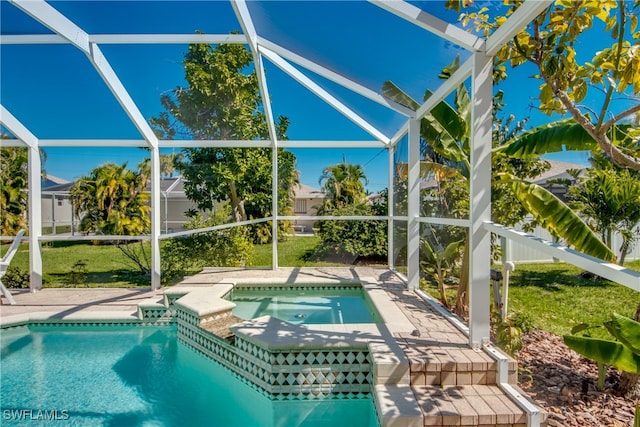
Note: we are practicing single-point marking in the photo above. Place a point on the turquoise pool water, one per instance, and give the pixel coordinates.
(140, 376)
(305, 307)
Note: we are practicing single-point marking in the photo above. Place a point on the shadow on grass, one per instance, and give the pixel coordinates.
(123, 278)
(555, 279)
(328, 255)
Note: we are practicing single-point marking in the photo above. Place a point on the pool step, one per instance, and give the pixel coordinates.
(438, 363)
(155, 310)
(468, 405)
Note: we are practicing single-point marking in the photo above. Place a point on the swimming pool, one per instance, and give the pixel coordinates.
(306, 306)
(124, 375)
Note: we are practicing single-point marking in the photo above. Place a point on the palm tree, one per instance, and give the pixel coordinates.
(14, 176)
(343, 184)
(445, 147)
(13, 192)
(111, 200)
(609, 199)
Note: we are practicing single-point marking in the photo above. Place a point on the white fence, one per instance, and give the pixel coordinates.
(518, 252)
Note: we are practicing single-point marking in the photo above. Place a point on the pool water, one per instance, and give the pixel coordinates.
(305, 307)
(141, 376)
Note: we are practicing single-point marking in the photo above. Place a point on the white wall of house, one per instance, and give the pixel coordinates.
(57, 212)
(307, 202)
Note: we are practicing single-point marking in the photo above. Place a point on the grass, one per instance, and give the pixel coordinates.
(293, 252)
(555, 297)
(105, 264)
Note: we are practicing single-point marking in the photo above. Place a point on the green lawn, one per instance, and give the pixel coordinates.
(293, 252)
(105, 264)
(556, 298)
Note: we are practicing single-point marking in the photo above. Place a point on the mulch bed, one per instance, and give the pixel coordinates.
(563, 383)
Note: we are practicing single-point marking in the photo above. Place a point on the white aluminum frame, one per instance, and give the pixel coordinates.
(478, 67)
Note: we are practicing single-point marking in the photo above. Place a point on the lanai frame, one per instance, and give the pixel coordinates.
(478, 67)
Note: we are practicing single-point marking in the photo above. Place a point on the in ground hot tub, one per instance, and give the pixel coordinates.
(305, 305)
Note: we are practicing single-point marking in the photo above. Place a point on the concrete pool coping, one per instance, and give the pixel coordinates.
(436, 351)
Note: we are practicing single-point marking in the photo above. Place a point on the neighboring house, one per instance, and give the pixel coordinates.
(307, 202)
(57, 211)
(557, 180)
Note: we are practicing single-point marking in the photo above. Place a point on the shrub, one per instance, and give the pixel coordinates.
(16, 278)
(229, 247)
(357, 238)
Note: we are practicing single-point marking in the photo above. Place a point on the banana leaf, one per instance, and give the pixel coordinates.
(427, 169)
(451, 118)
(440, 139)
(603, 351)
(554, 215)
(397, 95)
(626, 330)
(443, 128)
(549, 138)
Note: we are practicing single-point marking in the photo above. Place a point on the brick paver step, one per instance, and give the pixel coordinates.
(468, 405)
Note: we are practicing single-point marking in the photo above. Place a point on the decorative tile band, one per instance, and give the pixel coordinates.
(285, 374)
(77, 324)
(159, 314)
(298, 287)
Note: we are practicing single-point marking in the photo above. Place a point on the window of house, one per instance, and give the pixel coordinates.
(301, 206)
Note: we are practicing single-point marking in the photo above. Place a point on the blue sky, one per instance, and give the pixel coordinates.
(56, 93)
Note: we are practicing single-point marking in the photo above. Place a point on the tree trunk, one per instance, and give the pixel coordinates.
(628, 381)
(237, 206)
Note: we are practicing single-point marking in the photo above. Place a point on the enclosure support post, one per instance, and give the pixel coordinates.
(35, 219)
(413, 207)
(480, 200)
(155, 217)
(53, 213)
(274, 207)
(390, 175)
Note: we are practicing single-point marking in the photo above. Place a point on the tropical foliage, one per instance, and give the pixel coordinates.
(568, 81)
(445, 148)
(609, 200)
(623, 353)
(13, 191)
(111, 201)
(356, 238)
(343, 185)
(222, 101)
(228, 247)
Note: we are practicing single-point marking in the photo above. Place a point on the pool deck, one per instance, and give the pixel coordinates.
(452, 383)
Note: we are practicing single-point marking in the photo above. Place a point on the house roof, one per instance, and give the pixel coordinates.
(306, 192)
(50, 181)
(558, 170)
(174, 188)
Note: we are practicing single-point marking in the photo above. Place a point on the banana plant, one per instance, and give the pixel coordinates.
(446, 138)
(623, 354)
(439, 263)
